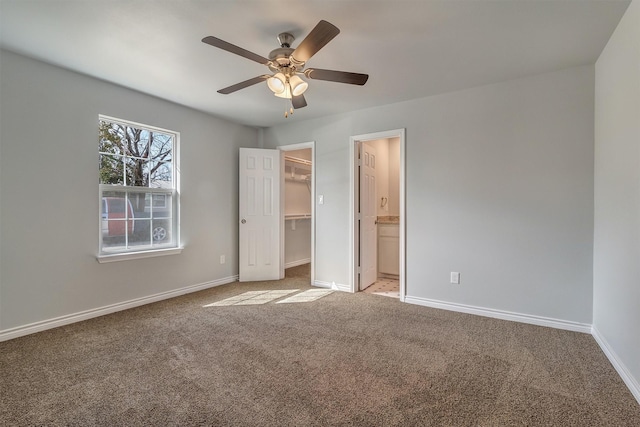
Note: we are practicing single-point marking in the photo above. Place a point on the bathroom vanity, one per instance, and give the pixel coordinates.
(388, 246)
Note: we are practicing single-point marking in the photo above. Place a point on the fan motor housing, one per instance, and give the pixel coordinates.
(281, 57)
(280, 60)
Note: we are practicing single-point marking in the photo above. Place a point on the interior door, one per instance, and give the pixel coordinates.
(368, 216)
(260, 219)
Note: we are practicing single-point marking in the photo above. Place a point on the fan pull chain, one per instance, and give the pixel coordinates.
(290, 112)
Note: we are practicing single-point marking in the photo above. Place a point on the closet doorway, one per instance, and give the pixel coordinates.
(299, 209)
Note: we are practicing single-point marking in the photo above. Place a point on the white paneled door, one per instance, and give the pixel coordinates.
(368, 216)
(260, 219)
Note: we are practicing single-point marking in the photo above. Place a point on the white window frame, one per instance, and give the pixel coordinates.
(174, 247)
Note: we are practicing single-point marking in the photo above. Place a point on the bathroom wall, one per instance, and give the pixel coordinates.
(381, 147)
(388, 175)
(394, 176)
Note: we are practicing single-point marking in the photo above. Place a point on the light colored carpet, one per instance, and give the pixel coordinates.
(329, 358)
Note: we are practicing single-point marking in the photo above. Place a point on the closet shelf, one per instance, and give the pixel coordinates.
(296, 165)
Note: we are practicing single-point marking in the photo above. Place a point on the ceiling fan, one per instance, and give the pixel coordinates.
(287, 65)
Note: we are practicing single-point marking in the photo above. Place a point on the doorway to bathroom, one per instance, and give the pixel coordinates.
(378, 213)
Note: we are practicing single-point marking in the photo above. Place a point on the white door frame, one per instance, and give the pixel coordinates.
(302, 146)
(354, 142)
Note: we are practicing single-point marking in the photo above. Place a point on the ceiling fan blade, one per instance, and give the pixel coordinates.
(221, 44)
(298, 101)
(336, 76)
(242, 85)
(322, 34)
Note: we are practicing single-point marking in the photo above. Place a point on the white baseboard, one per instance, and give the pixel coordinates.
(101, 311)
(620, 367)
(332, 285)
(297, 263)
(500, 314)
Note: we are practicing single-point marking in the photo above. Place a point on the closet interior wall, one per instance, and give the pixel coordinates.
(297, 207)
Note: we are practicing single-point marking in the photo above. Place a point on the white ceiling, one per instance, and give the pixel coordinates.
(410, 49)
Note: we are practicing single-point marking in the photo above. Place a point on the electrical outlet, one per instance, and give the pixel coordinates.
(455, 278)
(222, 259)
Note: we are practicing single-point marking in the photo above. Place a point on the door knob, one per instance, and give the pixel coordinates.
(244, 221)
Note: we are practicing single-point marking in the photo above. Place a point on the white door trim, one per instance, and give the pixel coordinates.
(302, 146)
(353, 199)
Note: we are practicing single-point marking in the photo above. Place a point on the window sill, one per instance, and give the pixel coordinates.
(138, 255)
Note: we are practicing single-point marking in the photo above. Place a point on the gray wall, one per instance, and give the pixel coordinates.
(499, 187)
(49, 190)
(616, 270)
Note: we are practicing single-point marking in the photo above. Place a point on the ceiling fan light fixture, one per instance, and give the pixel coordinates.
(277, 83)
(298, 86)
(286, 93)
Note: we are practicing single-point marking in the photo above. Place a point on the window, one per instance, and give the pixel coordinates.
(138, 188)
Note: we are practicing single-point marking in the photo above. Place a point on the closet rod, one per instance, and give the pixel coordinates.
(297, 160)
